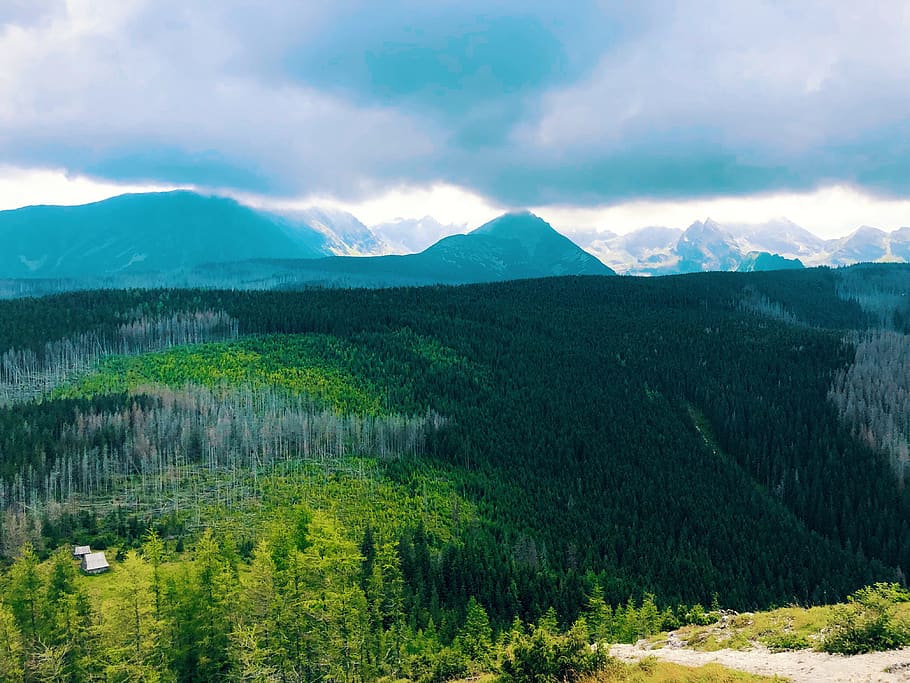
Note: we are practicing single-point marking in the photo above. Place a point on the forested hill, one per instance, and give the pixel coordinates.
(514, 246)
(182, 239)
(680, 436)
(131, 235)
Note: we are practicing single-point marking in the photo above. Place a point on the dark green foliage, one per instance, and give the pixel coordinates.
(868, 623)
(570, 407)
(475, 639)
(198, 608)
(880, 290)
(546, 657)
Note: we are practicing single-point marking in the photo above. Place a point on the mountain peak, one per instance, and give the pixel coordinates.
(867, 231)
(707, 225)
(515, 224)
(528, 244)
(162, 232)
(713, 224)
(704, 231)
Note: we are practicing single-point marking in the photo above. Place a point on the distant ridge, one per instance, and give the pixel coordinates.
(515, 245)
(511, 247)
(184, 239)
(756, 261)
(709, 245)
(143, 233)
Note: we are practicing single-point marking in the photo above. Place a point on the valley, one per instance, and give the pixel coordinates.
(454, 342)
(428, 466)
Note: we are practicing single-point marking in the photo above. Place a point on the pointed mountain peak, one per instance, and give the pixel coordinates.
(515, 224)
(704, 229)
(515, 245)
(712, 224)
(523, 226)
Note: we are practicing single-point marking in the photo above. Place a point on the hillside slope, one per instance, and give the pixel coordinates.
(670, 435)
(143, 233)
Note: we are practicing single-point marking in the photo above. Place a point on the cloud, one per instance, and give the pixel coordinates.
(831, 212)
(730, 97)
(475, 68)
(96, 94)
(27, 12)
(22, 187)
(525, 103)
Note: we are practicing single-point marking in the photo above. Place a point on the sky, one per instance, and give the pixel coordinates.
(595, 114)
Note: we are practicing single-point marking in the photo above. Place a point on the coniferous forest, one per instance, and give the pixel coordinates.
(346, 485)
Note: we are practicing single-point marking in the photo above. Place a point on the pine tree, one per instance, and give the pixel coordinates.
(11, 647)
(26, 594)
(599, 616)
(475, 638)
(132, 628)
(154, 552)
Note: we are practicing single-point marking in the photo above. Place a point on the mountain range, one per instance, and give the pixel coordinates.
(709, 245)
(511, 247)
(186, 239)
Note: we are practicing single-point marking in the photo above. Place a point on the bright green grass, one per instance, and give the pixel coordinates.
(653, 671)
(787, 628)
(318, 366)
(784, 628)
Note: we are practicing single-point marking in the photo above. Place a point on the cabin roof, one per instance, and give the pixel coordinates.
(94, 561)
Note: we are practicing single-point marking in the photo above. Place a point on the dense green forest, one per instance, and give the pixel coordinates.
(346, 484)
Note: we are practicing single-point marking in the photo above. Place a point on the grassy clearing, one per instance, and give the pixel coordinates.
(651, 670)
(787, 628)
(103, 589)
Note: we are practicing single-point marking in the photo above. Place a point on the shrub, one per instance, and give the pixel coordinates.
(544, 657)
(786, 640)
(445, 665)
(867, 622)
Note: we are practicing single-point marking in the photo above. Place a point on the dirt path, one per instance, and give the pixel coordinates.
(803, 666)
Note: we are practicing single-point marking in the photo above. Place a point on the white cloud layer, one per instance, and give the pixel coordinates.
(26, 187)
(656, 104)
(829, 212)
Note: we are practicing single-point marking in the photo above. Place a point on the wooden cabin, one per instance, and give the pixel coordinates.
(94, 563)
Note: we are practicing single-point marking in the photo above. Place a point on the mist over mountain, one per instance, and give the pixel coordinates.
(709, 245)
(184, 239)
(511, 247)
(344, 234)
(412, 235)
(780, 236)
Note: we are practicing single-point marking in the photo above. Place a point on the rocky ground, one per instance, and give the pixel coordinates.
(799, 666)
